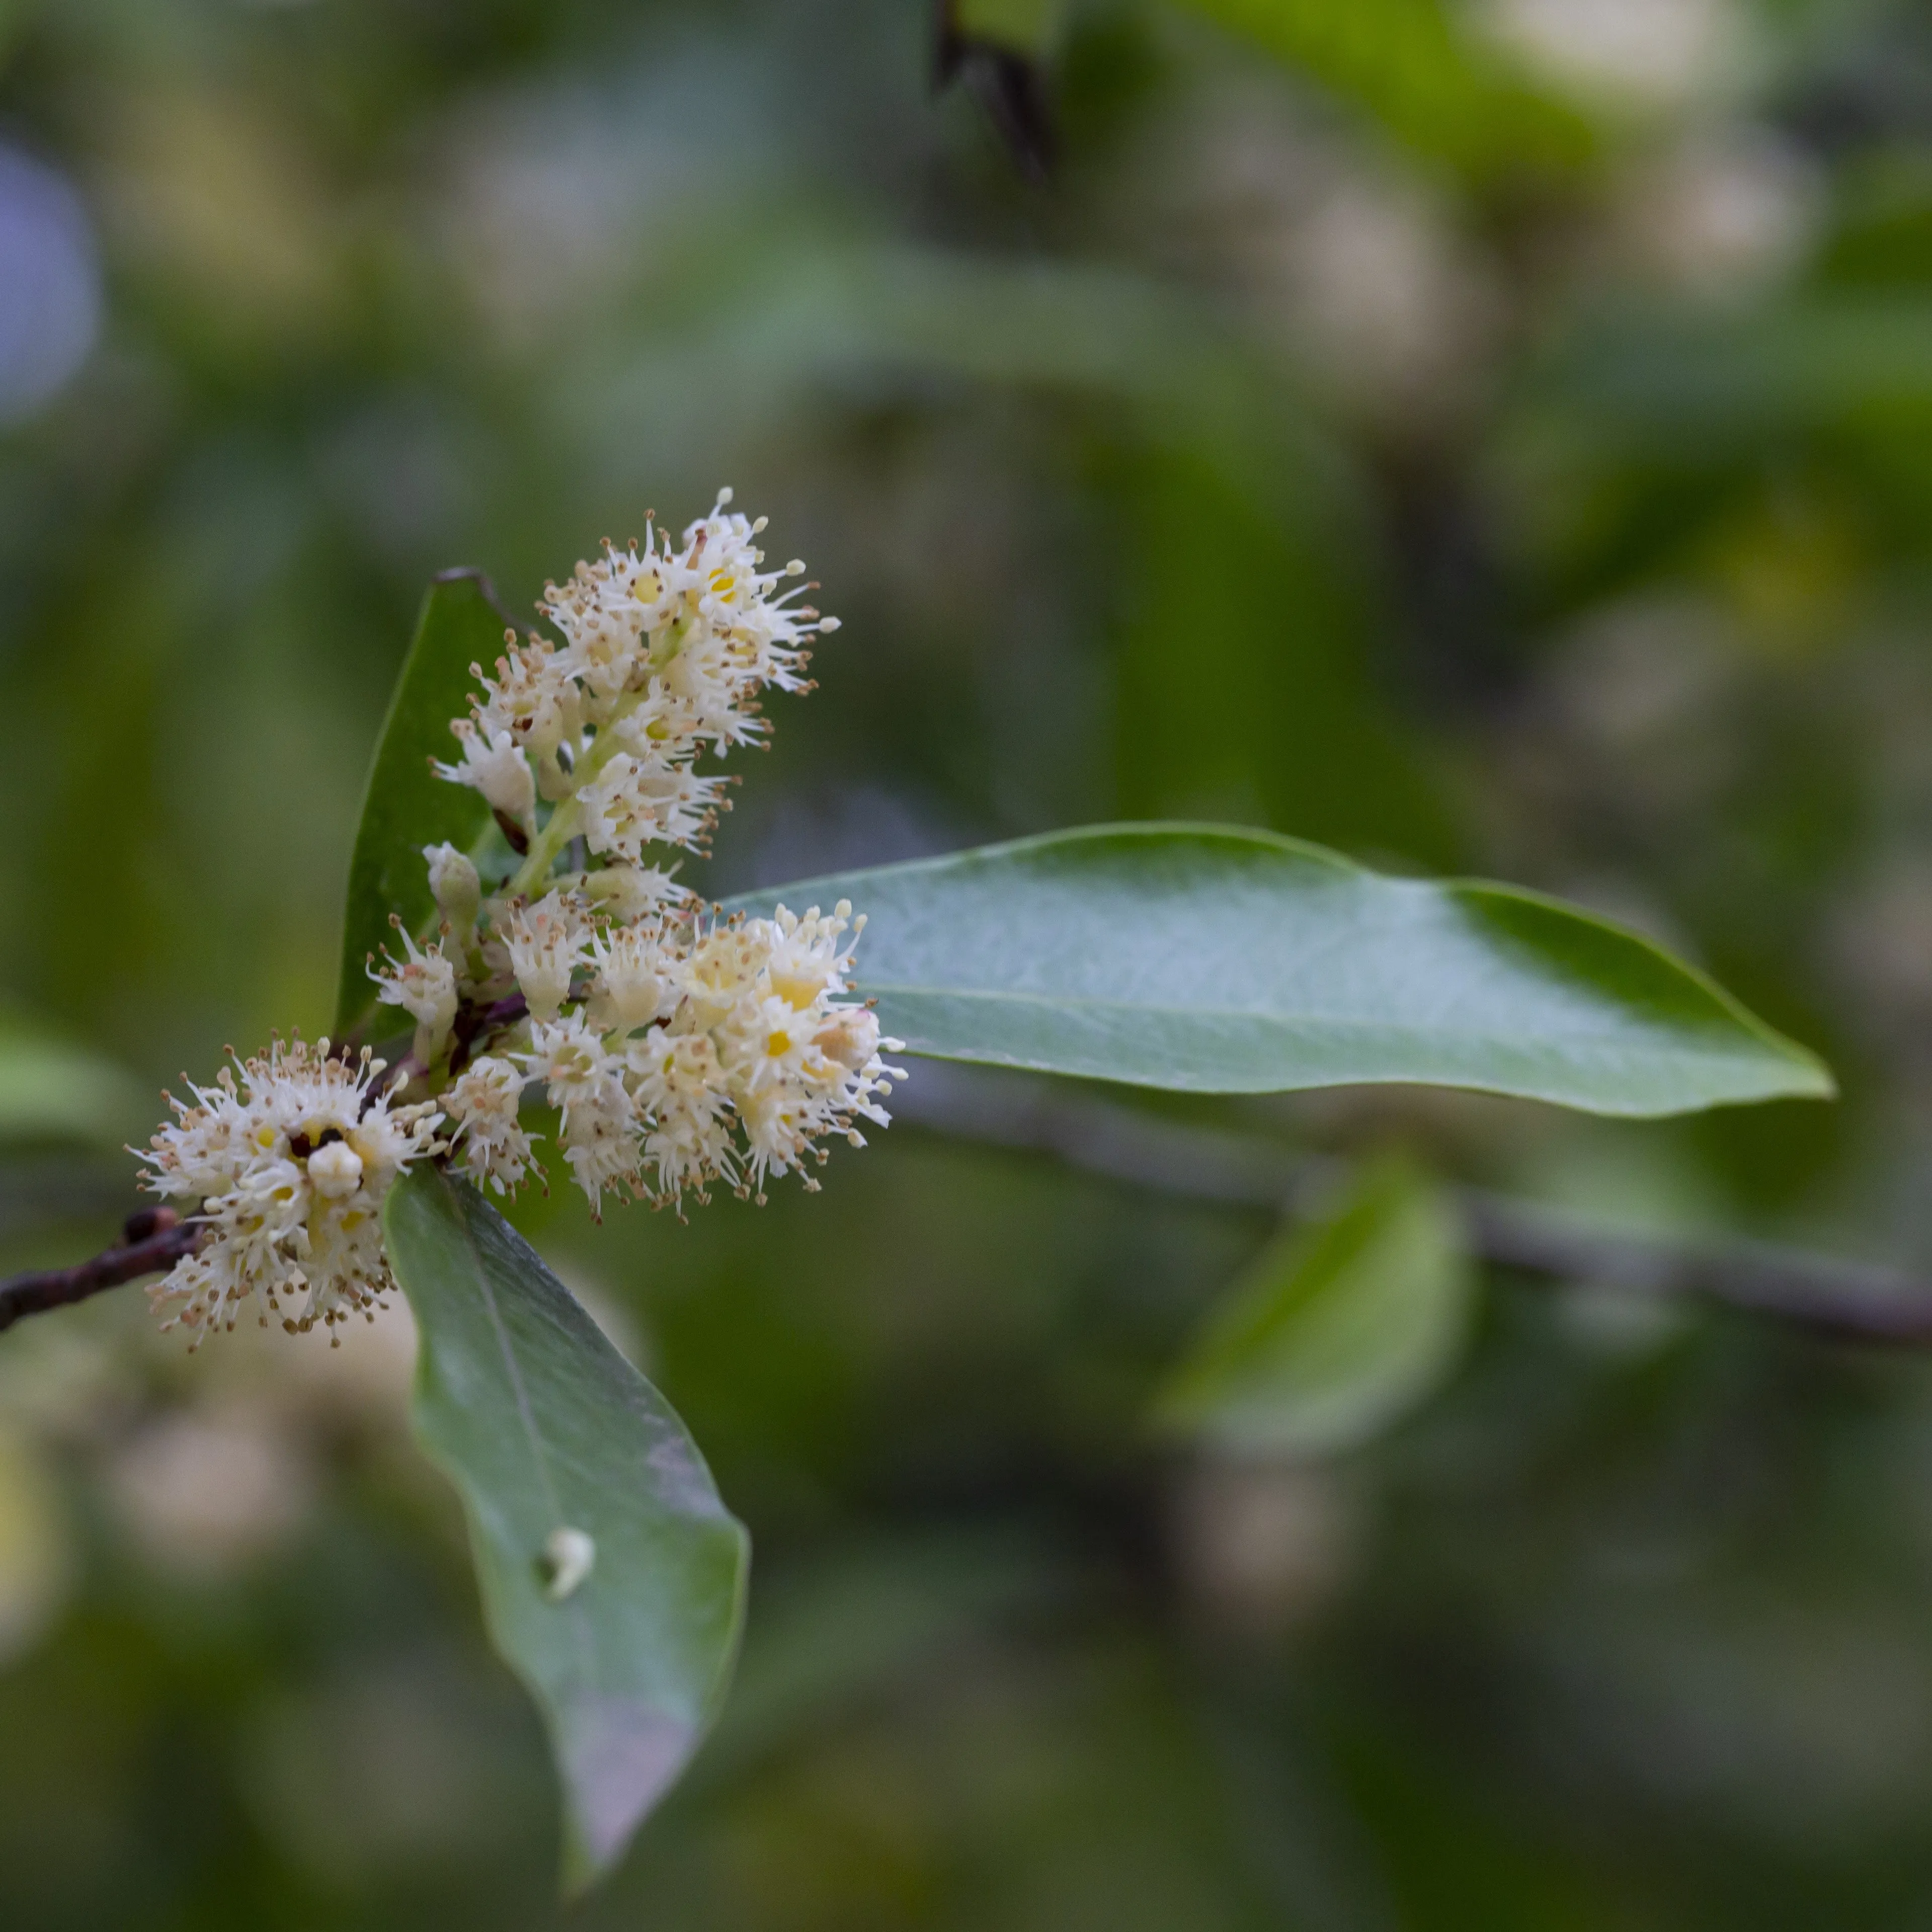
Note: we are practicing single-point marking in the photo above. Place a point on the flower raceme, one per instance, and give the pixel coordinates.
(665, 652)
(678, 1047)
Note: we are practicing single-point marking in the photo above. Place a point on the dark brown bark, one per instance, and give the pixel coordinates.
(153, 1240)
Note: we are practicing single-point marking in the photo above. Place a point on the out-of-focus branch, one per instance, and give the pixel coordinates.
(1102, 1137)
(154, 1239)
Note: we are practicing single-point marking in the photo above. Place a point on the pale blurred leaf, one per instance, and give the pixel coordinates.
(52, 1089)
(1336, 1332)
(1419, 69)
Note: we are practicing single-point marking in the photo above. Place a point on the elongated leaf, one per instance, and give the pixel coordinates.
(406, 807)
(544, 1428)
(1336, 1332)
(52, 1089)
(1220, 961)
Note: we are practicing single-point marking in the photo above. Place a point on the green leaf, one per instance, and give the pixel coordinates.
(543, 1427)
(52, 1089)
(1026, 26)
(1416, 67)
(1335, 1333)
(406, 807)
(1214, 960)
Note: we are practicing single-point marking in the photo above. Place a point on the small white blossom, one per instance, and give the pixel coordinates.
(629, 893)
(603, 1150)
(533, 700)
(635, 801)
(424, 985)
(680, 1090)
(489, 1144)
(569, 1057)
(288, 1166)
(545, 942)
(632, 976)
(335, 1171)
(495, 767)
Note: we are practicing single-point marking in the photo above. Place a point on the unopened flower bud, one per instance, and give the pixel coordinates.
(335, 1171)
(457, 889)
(851, 1037)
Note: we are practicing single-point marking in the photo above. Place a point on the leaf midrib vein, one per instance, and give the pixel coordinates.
(1338, 1023)
(579, 1623)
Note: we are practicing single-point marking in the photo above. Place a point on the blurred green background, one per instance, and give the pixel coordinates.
(1494, 437)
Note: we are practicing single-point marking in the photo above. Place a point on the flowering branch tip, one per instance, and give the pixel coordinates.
(678, 1046)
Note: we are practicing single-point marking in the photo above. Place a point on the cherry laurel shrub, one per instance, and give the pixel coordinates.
(515, 933)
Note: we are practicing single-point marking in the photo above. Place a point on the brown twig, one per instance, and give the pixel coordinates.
(475, 1023)
(1820, 1292)
(1830, 1296)
(152, 1241)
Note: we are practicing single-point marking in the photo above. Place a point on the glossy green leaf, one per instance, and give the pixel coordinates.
(405, 806)
(1213, 960)
(1336, 1332)
(52, 1089)
(543, 1428)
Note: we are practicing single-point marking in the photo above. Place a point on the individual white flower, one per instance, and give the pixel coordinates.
(723, 968)
(630, 893)
(569, 1057)
(489, 1143)
(424, 985)
(790, 1090)
(804, 961)
(533, 700)
(633, 977)
(335, 1171)
(603, 1150)
(288, 1166)
(634, 802)
(545, 942)
(680, 1088)
(494, 766)
(850, 1036)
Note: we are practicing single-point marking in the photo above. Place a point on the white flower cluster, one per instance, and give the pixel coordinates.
(290, 1165)
(676, 1051)
(665, 651)
(677, 1047)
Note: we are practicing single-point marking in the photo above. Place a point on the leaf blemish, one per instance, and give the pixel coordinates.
(568, 1557)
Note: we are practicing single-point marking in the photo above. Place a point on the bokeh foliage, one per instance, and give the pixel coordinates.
(1514, 463)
